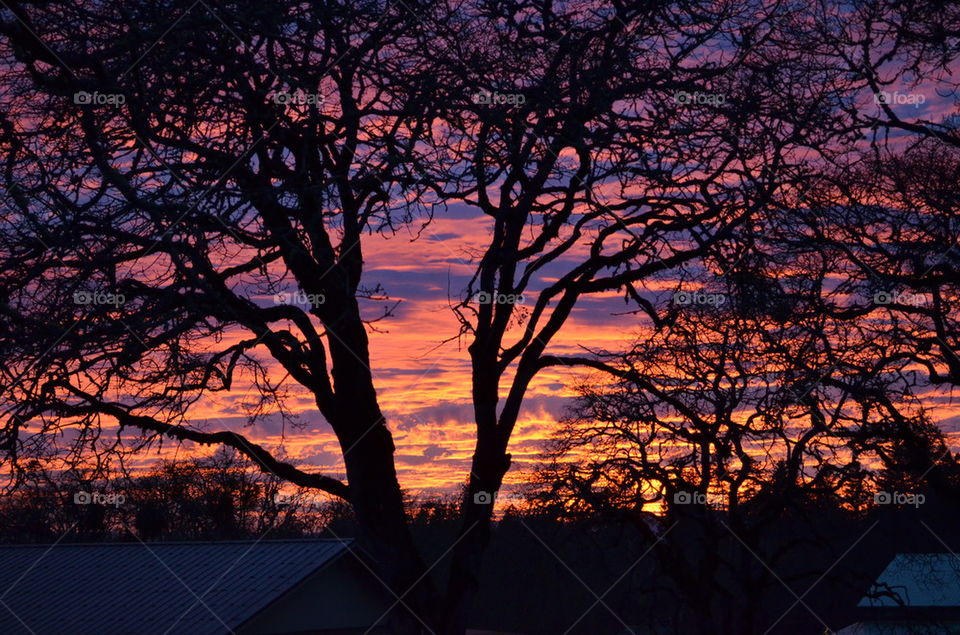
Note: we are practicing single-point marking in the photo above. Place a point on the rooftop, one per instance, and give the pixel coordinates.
(177, 587)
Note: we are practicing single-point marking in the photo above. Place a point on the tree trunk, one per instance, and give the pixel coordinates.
(490, 463)
(378, 502)
(375, 494)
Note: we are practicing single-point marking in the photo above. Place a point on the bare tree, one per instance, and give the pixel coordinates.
(889, 222)
(162, 181)
(607, 153)
(731, 436)
(887, 207)
(223, 496)
(900, 55)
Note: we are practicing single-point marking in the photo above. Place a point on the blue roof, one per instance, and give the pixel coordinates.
(918, 580)
(196, 588)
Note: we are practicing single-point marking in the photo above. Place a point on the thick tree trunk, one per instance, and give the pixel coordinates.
(490, 463)
(375, 494)
(377, 500)
(464, 575)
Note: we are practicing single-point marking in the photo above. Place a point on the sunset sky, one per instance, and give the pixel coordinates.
(423, 381)
(423, 378)
(496, 300)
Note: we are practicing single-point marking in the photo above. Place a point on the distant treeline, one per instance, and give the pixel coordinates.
(693, 567)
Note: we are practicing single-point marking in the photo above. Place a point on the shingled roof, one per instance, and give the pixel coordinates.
(917, 579)
(196, 587)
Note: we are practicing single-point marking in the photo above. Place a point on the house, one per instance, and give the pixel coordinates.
(246, 587)
(915, 593)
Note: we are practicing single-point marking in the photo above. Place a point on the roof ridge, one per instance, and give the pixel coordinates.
(160, 543)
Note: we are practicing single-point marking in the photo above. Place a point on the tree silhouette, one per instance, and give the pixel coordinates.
(753, 446)
(606, 162)
(889, 224)
(169, 188)
(222, 496)
(244, 155)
